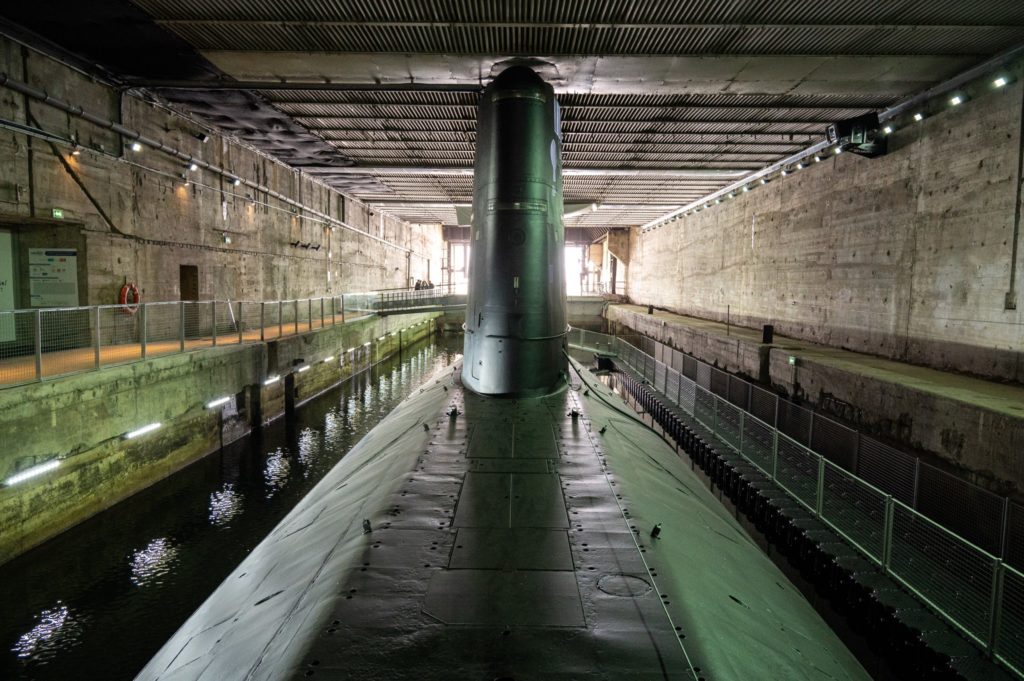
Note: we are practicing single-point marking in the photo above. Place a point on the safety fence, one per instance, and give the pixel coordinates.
(862, 492)
(41, 344)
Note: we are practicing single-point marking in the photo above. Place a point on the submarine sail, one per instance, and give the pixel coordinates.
(515, 313)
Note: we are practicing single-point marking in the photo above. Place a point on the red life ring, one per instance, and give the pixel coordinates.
(129, 298)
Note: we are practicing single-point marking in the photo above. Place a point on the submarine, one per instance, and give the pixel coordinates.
(499, 524)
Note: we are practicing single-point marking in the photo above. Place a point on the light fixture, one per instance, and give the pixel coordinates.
(800, 166)
(956, 100)
(785, 172)
(272, 380)
(746, 189)
(76, 152)
(227, 239)
(717, 201)
(887, 130)
(236, 182)
(328, 359)
(837, 150)
(817, 159)
(366, 344)
(764, 180)
(217, 402)
(202, 137)
(141, 431)
(136, 146)
(919, 117)
(304, 367)
(1000, 81)
(350, 350)
(380, 339)
(193, 167)
(32, 472)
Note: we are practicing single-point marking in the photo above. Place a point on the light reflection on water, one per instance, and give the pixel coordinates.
(225, 504)
(134, 573)
(151, 564)
(276, 472)
(55, 629)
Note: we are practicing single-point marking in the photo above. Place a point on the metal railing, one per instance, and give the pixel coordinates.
(973, 589)
(42, 344)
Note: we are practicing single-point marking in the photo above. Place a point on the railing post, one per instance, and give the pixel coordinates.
(342, 308)
(238, 322)
(280, 318)
(263, 319)
(334, 310)
(321, 312)
(917, 478)
(295, 306)
(181, 326)
(1004, 528)
(819, 502)
(775, 449)
(213, 316)
(38, 324)
(96, 349)
(309, 312)
(995, 607)
(742, 414)
(887, 534)
(142, 330)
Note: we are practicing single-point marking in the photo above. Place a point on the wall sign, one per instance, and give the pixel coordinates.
(6, 286)
(53, 277)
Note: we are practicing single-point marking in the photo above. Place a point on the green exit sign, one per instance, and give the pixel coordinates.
(58, 213)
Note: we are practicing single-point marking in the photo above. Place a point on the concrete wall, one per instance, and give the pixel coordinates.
(141, 223)
(907, 256)
(81, 419)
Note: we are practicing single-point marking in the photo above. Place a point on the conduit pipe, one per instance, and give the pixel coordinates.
(134, 135)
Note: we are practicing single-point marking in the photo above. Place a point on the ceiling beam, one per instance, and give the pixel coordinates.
(703, 173)
(316, 22)
(313, 85)
(652, 121)
(284, 103)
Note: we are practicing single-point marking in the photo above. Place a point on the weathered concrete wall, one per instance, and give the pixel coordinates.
(142, 223)
(907, 256)
(82, 418)
(948, 419)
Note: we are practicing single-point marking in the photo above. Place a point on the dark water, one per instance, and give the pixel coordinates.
(99, 601)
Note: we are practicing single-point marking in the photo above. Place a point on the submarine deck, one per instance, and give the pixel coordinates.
(510, 541)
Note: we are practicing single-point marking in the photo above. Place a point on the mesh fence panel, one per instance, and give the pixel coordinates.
(198, 324)
(251, 322)
(970, 511)
(955, 576)
(720, 383)
(1013, 552)
(119, 335)
(888, 469)
(1010, 643)
(659, 376)
(795, 422)
(672, 386)
(687, 395)
(690, 366)
(855, 509)
(68, 341)
(17, 347)
(762, 404)
(797, 471)
(729, 427)
(227, 322)
(704, 408)
(757, 443)
(835, 442)
(739, 392)
(703, 376)
(163, 328)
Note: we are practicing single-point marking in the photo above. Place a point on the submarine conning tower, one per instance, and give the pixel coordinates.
(515, 313)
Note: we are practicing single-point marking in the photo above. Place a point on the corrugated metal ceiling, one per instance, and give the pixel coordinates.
(743, 120)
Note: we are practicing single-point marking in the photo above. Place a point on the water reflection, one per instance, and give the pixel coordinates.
(181, 537)
(155, 561)
(276, 472)
(225, 504)
(53, 632)
(309, 444)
